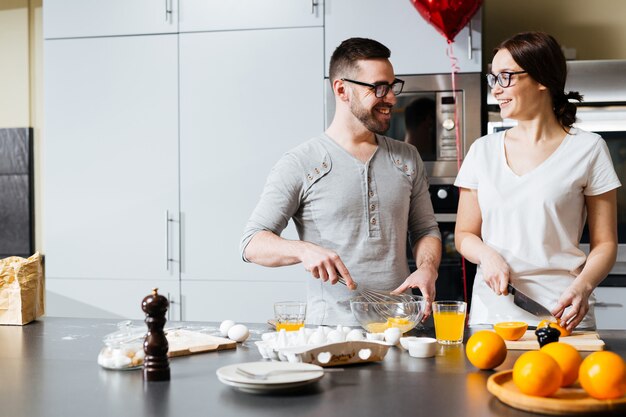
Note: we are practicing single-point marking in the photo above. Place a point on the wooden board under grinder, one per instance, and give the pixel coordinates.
(186, 342)
(581, 340)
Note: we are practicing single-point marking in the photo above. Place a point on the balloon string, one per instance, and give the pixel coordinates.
(454, 63)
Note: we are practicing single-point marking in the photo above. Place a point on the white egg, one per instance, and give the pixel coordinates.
(225, 326)
(238, 333)
(317, 338)
(266, 337)
(375, 336)
(336, 336)
(392, 335)
(354, 335)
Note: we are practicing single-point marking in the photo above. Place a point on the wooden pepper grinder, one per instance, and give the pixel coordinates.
(156, 365)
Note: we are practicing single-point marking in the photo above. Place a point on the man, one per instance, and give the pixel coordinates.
(353, 195)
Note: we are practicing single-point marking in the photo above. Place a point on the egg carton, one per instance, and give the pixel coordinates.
(324, 346)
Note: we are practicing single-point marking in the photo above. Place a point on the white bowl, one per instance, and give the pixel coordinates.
(420, 347)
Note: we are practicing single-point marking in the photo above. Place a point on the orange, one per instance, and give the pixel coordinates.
(603, 375)
(511, 330)
(563, 330)
(567, 357)
(536, 373)
(485, 349)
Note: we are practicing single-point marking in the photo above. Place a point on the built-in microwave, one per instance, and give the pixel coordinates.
(603, 111)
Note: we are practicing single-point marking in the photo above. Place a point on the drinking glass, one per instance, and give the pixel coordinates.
(289, 315)
(449, 317)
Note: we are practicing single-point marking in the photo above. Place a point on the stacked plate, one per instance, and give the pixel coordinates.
(259, 377)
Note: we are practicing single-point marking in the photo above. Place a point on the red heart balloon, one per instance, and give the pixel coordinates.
(447, 16)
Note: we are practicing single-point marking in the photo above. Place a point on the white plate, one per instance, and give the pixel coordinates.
(277, 381)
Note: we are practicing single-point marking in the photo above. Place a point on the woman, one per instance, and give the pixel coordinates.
(526, 192)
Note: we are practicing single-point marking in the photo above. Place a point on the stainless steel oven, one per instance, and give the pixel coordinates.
(424, 116)
(603, 86)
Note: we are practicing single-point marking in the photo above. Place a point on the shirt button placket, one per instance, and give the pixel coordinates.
(372, 206)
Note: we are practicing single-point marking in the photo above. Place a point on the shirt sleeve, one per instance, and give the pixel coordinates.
(279, 201)
(601, 173)
(467, 176)
(422, 220)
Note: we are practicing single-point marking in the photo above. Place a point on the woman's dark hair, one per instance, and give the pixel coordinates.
(541, 56)
(344, 61)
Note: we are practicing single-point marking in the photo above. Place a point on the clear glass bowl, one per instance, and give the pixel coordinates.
(123, 349)
(376, 317)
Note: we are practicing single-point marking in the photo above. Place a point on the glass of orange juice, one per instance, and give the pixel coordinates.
(289, 315)
(449, 317)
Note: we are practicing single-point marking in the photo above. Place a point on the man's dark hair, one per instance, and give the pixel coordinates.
(344, 62)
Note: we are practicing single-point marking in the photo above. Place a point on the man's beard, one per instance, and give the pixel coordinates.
(368, 118)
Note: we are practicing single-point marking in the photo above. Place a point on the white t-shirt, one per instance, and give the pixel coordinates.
(535, 221)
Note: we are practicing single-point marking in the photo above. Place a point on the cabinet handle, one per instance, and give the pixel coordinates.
(314, 4)
(169, 299)
(168, 10)
(608, 305)
(167, 240)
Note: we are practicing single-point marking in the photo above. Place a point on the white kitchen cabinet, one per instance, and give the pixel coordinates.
(110, 153)
(416, 46)
(107, 298)
(610, 308)
(250, 302)
(246, 97)
(212, 15)
(83, 18)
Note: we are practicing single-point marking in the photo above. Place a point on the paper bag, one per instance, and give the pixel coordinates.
(21, 289)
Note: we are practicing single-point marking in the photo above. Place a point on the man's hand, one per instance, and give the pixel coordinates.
(424, 279)
(325, 264)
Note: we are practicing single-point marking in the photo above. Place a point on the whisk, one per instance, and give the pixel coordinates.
(386, 304)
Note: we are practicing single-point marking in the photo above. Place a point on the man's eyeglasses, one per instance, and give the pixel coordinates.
(504, 78)
(381, 89)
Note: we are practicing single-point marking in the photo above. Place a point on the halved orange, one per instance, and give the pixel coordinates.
(563, 330)
(511, 330)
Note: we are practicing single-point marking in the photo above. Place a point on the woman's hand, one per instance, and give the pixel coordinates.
(495, 271)
(572, 306)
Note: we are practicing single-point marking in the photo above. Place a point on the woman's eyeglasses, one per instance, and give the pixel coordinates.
(381, 89)
(504, 78)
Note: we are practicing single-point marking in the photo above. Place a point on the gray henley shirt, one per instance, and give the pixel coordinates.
(361, 211)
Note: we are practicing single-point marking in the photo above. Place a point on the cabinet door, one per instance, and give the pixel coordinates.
(210, 15)
(416, 47)
(81, 18)
(107, 298)
(610, 310)
(110, 158)
(246, 98)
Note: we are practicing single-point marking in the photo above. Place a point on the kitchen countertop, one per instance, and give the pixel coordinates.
(48, 368)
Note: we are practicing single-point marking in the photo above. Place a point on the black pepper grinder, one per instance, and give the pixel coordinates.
(156, 365)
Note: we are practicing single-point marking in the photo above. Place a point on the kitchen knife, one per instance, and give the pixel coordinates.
(526, 303)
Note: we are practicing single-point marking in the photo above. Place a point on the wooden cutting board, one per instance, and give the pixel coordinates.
(186, 342)
(583, 341)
